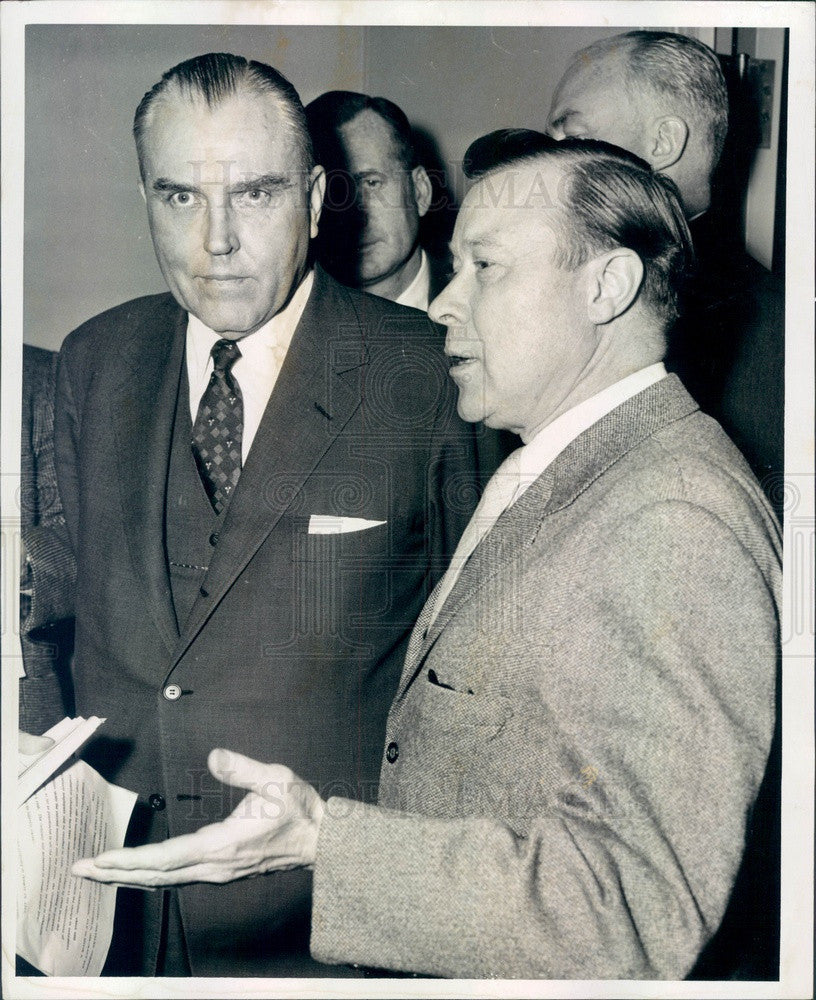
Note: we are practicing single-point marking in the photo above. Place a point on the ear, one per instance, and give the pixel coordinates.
(668, 142)
(423, 192)
(614, 280)
(317, 190)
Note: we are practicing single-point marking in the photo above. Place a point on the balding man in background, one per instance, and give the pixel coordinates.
(663, 96)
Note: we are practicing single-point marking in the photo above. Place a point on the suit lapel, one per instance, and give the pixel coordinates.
(573, 471)
(515, 528)
(142, 417)
(318, 390)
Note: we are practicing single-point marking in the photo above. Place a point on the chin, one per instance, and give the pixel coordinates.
(468, 412)
(218, 322)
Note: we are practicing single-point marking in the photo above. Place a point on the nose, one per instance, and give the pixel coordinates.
(449, 308)
(220, 238)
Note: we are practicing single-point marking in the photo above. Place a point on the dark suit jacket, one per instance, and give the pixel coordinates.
(577, 742)
(292, 651)
(728, 347)
(46, 603)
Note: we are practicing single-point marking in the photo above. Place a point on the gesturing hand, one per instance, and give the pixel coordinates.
(273, 828)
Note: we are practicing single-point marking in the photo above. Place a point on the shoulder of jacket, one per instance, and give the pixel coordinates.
(110, 323)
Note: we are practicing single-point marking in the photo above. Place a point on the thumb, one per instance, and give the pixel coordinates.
(29, 745)
(235, 769)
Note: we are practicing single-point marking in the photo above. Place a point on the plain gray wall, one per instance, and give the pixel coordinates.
(87, 246)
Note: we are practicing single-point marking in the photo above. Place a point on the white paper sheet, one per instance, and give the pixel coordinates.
(65, 923)
(68, 736)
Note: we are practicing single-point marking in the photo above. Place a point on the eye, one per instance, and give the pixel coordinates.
(253, 197)
(488, 271)
(181, 199)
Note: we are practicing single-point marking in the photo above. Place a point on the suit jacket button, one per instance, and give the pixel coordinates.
(157, 802)
(392, 752)
(203, 591)
(172, 692)
(214, 538)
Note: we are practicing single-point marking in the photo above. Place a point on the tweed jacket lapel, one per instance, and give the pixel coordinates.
(141, 414)
(572, 472)
(317, 392)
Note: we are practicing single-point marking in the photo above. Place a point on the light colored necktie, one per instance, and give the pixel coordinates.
(499, 494)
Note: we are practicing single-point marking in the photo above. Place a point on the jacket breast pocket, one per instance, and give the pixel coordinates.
(451, 751)
(450, 716)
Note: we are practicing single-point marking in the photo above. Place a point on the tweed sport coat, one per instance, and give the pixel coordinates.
(574, 749)
(47, 610)
(293, 650)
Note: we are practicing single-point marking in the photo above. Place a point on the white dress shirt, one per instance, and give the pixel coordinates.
(542, 449)
(418, 293)
(523, 466)
(257, 370)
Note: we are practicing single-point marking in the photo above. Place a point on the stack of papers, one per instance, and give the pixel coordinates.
(64, 922)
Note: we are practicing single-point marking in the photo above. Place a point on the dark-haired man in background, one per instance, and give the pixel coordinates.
(587, 701)
(376, 194)
(662, 95)
(264, 475)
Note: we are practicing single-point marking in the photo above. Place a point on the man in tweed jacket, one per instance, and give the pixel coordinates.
(587, 702)
(49, 569)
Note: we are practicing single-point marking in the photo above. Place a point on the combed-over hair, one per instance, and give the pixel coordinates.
(610, 198)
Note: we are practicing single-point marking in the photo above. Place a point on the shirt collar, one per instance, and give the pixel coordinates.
(418, 293)
(276, 333)
(550, 441)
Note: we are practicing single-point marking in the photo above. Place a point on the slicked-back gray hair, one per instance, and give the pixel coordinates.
(216, 76)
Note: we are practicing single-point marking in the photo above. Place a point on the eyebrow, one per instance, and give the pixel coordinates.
(163, 184)
(264, 181)
(479, 243)
(362, 174)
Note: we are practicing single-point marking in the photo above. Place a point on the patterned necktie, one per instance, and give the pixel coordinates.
(219, 426)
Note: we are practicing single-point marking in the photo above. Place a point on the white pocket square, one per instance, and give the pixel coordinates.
(330, 524)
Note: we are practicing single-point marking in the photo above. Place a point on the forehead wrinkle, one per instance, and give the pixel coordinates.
(512, 234)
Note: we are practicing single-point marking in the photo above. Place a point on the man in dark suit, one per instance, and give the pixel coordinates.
(376, 195)
(263, 474)
(587, 701)
(662, 95)
(48, 567)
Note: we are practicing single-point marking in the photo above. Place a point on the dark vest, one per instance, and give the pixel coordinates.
(191, 524)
